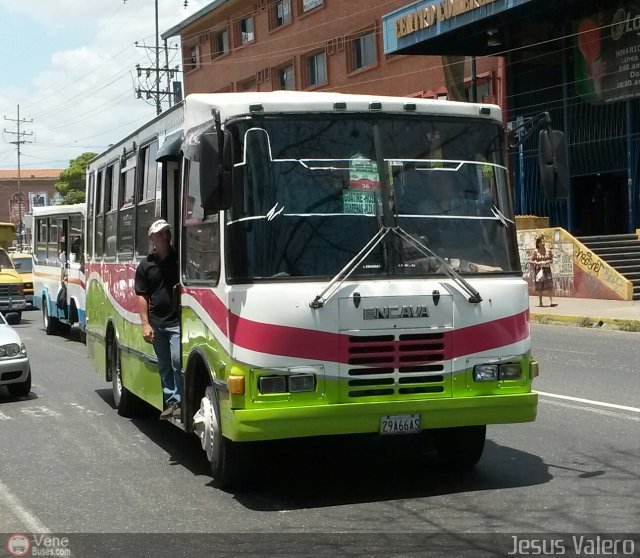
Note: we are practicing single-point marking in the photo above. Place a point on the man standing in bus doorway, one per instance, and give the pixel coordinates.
(156, 277)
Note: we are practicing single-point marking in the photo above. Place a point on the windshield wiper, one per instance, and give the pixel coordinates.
(474, 295)
(342, 275)
(350, 267)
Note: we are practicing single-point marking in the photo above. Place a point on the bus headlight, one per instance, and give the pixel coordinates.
(302, 382)
(272, 384)
(510, 371)
(485, 372)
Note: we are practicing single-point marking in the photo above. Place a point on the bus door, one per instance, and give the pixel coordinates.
(168, 206)
(62, 301)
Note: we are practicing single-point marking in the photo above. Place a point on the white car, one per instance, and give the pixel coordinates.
(15, 372)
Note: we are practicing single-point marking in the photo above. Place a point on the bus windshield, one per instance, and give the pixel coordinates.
(310, 192)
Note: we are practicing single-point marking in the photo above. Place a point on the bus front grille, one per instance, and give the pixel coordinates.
(396, 366)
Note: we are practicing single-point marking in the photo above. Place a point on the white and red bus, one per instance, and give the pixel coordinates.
(349, 265)
(58, 266)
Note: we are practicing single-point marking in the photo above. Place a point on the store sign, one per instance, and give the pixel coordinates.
(607, 59)
(428, 16)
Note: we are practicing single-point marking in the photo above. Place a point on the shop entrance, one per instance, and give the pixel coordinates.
(600, 204)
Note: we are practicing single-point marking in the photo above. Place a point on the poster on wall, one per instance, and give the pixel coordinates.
(38, 199)
(607, 54)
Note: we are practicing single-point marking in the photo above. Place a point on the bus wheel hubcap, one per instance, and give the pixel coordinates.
(206, 424)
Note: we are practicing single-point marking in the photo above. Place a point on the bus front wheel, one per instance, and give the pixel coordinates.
(224, 456)
(50, 323)
(460, 447)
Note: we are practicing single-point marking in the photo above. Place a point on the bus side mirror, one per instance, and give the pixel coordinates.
(554, 170)
(214, 183)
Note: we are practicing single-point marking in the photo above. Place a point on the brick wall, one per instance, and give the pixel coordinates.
(335, 28)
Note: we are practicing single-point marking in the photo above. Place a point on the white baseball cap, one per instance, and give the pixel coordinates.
(158, 226)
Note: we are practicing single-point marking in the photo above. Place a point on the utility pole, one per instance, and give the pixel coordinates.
(153, 91)
(18, 142)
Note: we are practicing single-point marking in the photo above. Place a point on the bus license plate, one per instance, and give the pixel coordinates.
(400, 424)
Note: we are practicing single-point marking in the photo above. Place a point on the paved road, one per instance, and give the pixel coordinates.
(71, 464)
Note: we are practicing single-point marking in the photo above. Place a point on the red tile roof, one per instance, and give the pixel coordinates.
(26, 174)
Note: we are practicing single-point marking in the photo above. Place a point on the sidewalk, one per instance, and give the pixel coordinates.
(587, 312)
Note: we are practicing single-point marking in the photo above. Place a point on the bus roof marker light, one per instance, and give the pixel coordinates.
(485, 110)
(410, 107)
(257, 107)
(340, 106)
(375, 106)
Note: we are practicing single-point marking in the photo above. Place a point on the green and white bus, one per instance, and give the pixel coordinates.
(349, 265)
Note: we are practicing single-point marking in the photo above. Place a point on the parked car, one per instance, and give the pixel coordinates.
(15, 372)
(24, 266)
(12, 299)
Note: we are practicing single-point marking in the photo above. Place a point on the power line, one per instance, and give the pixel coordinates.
(157, 93)
(18, 142)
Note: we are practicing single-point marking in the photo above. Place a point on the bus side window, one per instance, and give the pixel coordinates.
(146, 196)
(41, 240)
(108, 239)
(52, 242)
(201, 233)
(76, 240)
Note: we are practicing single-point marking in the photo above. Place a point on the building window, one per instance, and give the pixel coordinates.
(220, 42)
(280, 14)
(247, 85)
(245, 30)
(284, 78)
(193, 60)
(363, 51)
(316, 69)
(308, 5)
(483, 89)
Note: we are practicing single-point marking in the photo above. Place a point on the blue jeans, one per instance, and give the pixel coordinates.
(166, 344)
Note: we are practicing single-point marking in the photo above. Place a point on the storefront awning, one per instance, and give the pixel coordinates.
(476, 27)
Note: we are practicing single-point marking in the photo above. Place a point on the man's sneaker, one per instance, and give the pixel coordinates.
(177, 412)
(168, 412)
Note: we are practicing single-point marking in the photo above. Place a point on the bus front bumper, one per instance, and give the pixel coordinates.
(246, 425)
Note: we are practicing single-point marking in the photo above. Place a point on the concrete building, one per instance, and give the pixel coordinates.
(37, 187)
(326, 45)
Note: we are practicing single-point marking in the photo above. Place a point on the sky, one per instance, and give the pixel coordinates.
(70, 65)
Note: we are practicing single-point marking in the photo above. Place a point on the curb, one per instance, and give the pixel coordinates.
(585, 321)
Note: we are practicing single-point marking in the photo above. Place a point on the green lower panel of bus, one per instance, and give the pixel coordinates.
(358, 418)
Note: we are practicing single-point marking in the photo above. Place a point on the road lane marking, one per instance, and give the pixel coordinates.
(591, 402)
(5, 417)
(567, 351)
(86, 410)
(31, 522)
(40, 412)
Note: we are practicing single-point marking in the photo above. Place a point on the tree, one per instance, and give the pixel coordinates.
(71, 183)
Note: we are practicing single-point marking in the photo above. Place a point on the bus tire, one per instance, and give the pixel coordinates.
(63, 328)
(21, 389)
(460, 447)
(50, 323)
(126, 403)
(226, 458)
